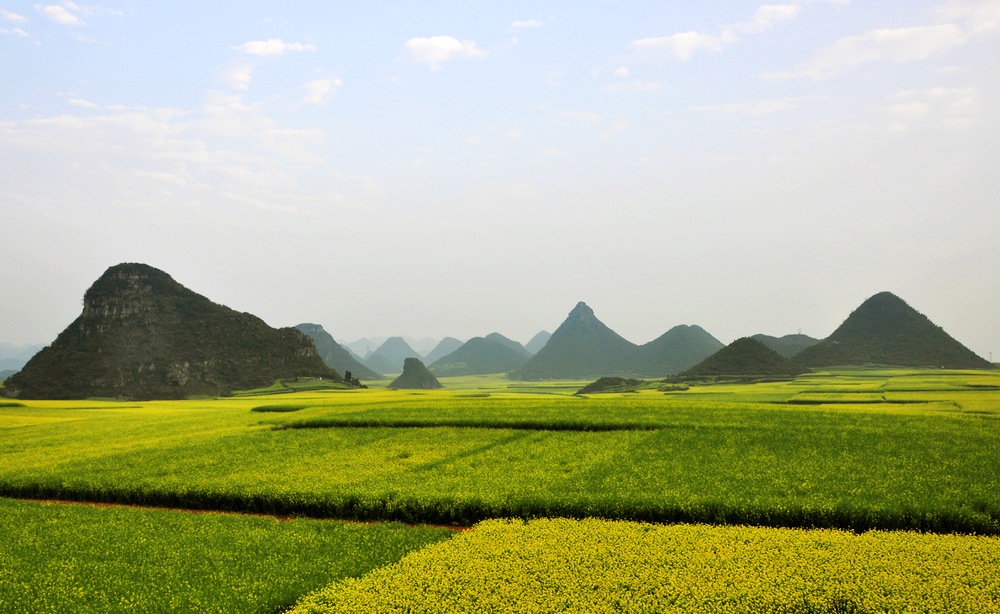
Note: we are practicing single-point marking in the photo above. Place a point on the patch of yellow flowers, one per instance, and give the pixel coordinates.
(556, 565)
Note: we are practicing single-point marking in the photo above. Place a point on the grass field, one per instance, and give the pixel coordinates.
(74, 558)
(854, 450)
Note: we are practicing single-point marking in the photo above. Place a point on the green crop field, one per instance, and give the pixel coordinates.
(74, 558)
(856, 450)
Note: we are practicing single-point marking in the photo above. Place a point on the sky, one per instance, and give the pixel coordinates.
(436, 169)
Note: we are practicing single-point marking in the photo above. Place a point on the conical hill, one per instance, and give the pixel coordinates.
(744, 357)
(336, 356)
(884, 330)
(415, 376)
(390, 356)
(677, 349)
(537, 342)
(443, 348)
(142, 335)
(581, 347)
(481, 355)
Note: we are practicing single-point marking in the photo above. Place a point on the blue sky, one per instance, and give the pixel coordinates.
(457, 168)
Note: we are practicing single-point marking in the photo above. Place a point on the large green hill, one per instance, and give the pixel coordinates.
(142, 335)
(884, 330)
(582, 346)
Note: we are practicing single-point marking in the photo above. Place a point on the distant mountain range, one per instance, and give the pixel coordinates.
(443, 348)
(583, 346)
(143, 335)
(390, 356)
(335, 355)
(538, 342)
(493, 353)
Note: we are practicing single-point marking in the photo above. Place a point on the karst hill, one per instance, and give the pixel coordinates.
(415, 376)
(583, 346)
(142, 335)
(884, 330)
(336, 356)
(745, 357)
(493, 353)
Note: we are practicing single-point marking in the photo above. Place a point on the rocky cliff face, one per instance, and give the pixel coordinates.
(142, 335)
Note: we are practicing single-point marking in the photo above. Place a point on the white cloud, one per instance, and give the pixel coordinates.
(617, 127)
(238, 76)
(980, 16)
(437, 49)
(882, 45)
(63, 14)
(587, 116)
(272, 46)
(8, 16)
(765, 17)
(528, 23)
(318, 91)
(622, 71)
(948, 106)
(757, 107)
(81, 102)
(683, 45)
(514, 134)
(18, 32)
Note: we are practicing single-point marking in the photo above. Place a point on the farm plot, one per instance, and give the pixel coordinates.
(592, 565)
(77, 558)
(449, 457)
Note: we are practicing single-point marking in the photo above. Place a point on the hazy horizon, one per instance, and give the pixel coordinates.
(447, 169)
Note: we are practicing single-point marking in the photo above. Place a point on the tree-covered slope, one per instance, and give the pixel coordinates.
(885, 330)
(744, 357)
(336, 356)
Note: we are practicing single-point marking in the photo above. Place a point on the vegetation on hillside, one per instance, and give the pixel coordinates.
(334, 355)
(415, 376)
(480, 355)
(744, 357)
(884, 330)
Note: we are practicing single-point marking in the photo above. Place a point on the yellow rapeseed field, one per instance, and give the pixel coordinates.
(552, 565)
